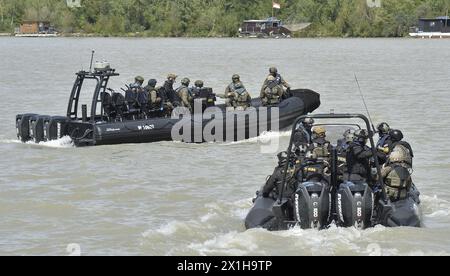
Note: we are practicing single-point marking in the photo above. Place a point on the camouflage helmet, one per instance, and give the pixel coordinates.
(320, 131)
(400, 154)
(185, 81)
(139, 79)
(271, 78)
(273, 70)
(396, 135)
(383, 128)
(236, 77)
(199, 83)
(172, 76)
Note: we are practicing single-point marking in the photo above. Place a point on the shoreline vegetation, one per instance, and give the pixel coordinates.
(218, 18)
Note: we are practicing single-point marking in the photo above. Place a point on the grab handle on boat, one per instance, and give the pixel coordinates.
(84, 112)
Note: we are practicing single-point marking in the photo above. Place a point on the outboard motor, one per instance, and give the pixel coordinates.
(56, 128)
(23, 123)
(312, 205)
(39, 130)
(355, 205)
(32, 126)
(18, 122)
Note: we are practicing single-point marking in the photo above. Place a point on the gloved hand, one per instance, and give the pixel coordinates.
(384, 150)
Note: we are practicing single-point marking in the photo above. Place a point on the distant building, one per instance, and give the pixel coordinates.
(73, 3)
(438, 27)
(374, 3)
(270, 27)
(35, 28)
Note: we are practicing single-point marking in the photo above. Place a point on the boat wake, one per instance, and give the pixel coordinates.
(65, 142)
(264, 138)
(220, 231)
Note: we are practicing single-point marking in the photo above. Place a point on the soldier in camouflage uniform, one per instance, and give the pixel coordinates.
(236, 95)
(155, 99)
(396, 173)
(272, 92)
(279, 81)
(184, 94)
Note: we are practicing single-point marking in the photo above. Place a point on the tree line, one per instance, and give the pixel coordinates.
(216, 18)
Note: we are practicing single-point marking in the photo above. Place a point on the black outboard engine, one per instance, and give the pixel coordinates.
(32, 120)
(56, 128)
(312, 205)
(23, 125)
(355, 205)
(39, 130)
(18, 122)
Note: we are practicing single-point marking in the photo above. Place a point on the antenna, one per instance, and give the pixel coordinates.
(364, 101)
(92, 59)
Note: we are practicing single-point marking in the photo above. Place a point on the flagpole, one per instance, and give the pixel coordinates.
(272, 10)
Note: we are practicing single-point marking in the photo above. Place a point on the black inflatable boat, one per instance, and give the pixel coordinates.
(327, 198)
(112, 121)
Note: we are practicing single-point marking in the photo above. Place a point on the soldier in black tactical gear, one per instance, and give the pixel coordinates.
(170, 95)
(303, 136)
(135, 96)
(384, 142)
(271, 188)
(342, 147)
(358, 154)
(383, 133)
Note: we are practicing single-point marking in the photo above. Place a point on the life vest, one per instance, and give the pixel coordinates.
(382, 142)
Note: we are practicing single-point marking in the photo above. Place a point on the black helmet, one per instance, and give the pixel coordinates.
(361, 135)
(152, 82)
(383, 128)
(396, 135)
(273, 70)
(282, 157)
(308, 121)
(236, 77)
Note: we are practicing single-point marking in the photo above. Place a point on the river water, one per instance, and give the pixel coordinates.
(181, 199)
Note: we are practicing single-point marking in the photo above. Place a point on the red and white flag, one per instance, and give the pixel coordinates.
(276, 5)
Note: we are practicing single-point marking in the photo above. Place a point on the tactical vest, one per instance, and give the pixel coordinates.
(398, 182)
(272, 95)
(342, 159)
(321, 151)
